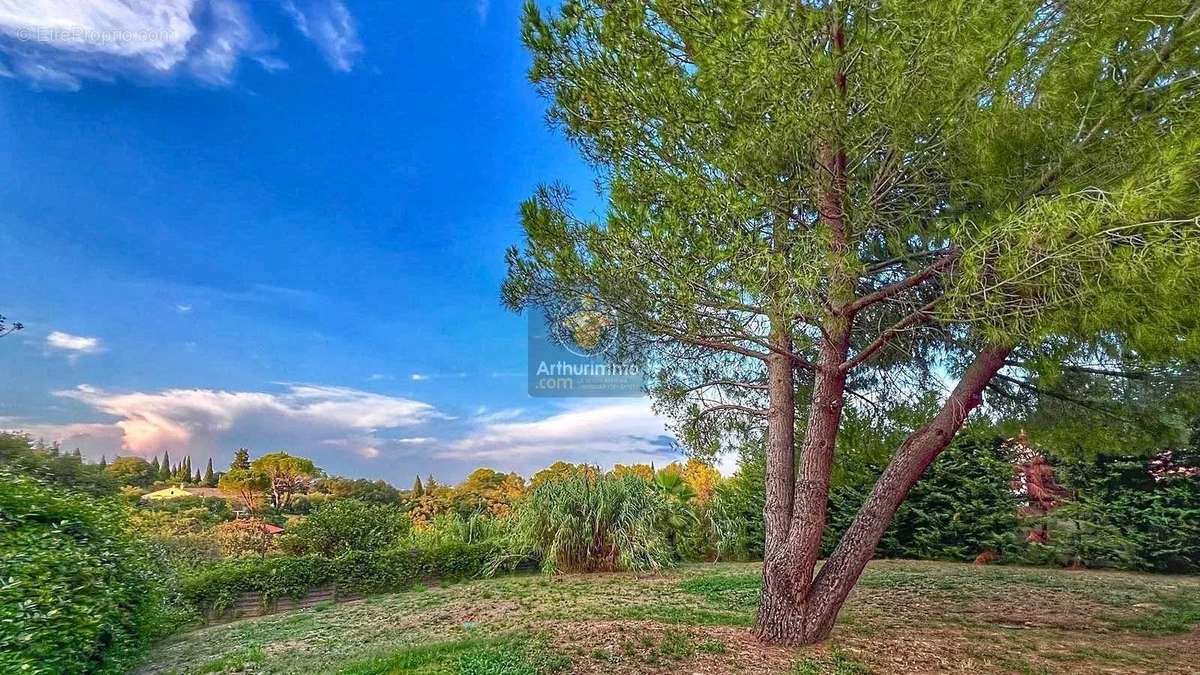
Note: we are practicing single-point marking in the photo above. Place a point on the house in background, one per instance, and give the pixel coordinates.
(180, 492)
(173, 492)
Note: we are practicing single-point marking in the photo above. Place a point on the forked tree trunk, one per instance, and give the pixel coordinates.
(798, 608)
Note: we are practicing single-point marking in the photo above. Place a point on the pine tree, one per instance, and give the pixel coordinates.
(241, 459)
(209, 479)
(418, 490)
(832, 194)
(430, 484)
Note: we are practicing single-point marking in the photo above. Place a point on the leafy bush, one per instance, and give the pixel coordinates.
(451, 528)
(579, 521)
(182, 553)
(245, 537)
(79, 595)
(344, 525)
(215, 587)
(20, 455)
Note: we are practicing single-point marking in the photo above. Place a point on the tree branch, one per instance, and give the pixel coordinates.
(758, 412)
(899, 287)
(918, 317)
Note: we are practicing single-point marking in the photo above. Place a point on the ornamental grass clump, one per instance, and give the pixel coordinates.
(591, 523)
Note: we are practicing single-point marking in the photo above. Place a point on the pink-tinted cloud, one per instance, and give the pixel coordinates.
(204, 419)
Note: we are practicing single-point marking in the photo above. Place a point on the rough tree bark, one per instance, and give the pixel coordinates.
(781, 449)
(799, 608)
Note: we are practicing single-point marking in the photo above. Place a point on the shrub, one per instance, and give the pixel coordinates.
(20, 455)
(580, 521)
(185, 552)
(738, 509)
(215, 587)
(1123, 516)
(79, 595)
(245, 537)
(963, 505)
(345, 525)
(450, 528)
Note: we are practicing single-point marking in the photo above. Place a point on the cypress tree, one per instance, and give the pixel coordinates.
(418, 490)
(155, 465)
(209, 479)
(165, 470)
(103, 462)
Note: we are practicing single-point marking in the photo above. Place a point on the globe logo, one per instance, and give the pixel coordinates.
(584, 329)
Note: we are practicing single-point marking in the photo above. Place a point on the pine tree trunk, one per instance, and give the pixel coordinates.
(781, 452)
(797, 609)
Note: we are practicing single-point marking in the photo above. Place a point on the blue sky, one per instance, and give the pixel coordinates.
(280, 224)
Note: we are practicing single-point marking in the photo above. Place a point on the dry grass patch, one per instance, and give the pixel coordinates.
(905, 617)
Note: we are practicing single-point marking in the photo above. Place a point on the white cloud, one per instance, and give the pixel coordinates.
(202, 420)
(74, 345)
(420, 377)
(484, 415)
(483, 8)
(183, 309)
(599, 433)
(330, 26)
(58, 44)
(379, 377)
(95, 438)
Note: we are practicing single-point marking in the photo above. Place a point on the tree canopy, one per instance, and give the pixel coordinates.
(853, 204)
(288, 475)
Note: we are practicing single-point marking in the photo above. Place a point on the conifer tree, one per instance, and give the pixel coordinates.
(418, 490)
(210, 480)
(813, 205)
(241, 459)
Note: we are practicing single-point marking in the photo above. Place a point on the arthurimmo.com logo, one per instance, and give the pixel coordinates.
(571, 353)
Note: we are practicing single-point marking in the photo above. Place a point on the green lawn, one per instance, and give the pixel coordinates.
(905, 616)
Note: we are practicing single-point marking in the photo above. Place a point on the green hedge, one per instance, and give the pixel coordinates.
(216, 586)
(962, 506)
(77, 594)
